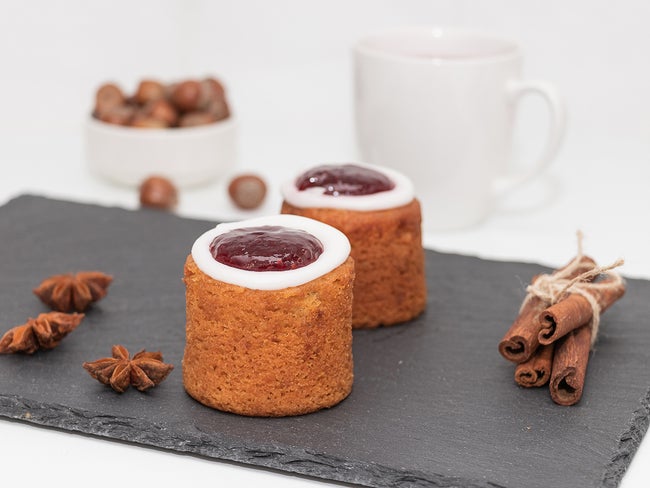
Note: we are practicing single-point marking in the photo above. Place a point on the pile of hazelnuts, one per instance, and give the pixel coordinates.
(156, 105)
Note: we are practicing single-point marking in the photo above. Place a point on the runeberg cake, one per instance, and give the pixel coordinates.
(269, 309)
(376, 209)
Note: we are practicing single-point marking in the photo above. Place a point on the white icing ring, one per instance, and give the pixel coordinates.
(336, 249)
(401, 195)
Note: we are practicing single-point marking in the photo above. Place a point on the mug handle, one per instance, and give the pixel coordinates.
(516, 89)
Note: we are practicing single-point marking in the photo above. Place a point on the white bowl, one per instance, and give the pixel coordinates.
(186, 155)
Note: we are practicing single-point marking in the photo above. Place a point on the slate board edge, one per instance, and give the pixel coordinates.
(296, 461)
(628, 443)
(293, 460)
(31, 196)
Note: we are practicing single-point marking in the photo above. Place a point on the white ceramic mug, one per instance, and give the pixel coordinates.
(439, 104)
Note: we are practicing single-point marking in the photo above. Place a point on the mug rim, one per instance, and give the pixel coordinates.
(512, 51)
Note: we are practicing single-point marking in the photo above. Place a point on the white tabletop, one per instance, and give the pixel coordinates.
(300, 114)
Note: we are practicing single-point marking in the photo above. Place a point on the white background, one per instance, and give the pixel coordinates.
(286, 64)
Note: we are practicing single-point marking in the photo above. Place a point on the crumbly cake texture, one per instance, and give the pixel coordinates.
(390, 285)
(269, 353)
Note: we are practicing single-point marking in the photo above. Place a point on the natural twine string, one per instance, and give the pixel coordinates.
(552, 288)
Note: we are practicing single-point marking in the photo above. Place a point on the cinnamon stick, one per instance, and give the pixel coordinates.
(570, 366)
(575, 310)
(537, 370)
(521, 340)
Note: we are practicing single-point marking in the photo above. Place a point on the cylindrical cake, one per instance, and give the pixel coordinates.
(384, 229)
(269, 343)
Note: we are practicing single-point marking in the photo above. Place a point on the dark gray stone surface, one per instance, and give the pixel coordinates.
(433, 403)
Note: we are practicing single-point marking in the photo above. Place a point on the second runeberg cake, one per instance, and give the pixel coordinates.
(376, 209)
(269, 312)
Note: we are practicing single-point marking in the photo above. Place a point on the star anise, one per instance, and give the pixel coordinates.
(145, 370)
(69, 292)
(43, 332)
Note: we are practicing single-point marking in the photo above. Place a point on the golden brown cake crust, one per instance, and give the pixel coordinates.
(387, 249)
(269, 352)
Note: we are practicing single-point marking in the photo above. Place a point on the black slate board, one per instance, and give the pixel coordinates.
(433, 403)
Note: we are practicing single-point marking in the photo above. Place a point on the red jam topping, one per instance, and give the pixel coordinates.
(266, 248)
(346, 179)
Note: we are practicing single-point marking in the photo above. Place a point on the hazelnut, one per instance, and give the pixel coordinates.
(158, 192)
(186, 95)
(247, 191)
(118, 115)
(192, 119)
(211, 90)
(219, 109)
(162, 110)
(149, 91)
(144, 121)
(108, 96)
(169, 89)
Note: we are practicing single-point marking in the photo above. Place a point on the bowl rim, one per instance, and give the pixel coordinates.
(173, 132)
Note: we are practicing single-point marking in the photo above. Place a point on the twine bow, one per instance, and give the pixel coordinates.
(551, 288)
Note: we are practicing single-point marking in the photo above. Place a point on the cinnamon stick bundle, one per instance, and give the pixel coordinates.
(558, 322)
(575, 310)
(522, 339)
(537, 370)
(570, 366)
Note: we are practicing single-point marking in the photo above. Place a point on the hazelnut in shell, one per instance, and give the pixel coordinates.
(211, 90)
(144, 121)
(162, 110)
(149, 91)
(118, 115)
(193, 119)
(247, 191)
(187, 95)
(108, 96)
(219, 109)
(158, 192)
